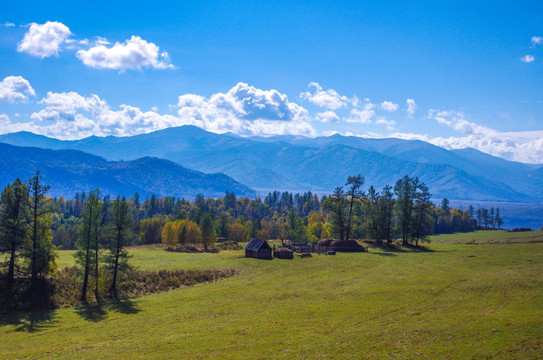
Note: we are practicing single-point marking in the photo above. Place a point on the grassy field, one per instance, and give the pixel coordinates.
(488, 237)
(456, 301)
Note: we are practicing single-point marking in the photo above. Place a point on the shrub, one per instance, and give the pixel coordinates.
(65, 289)
(326, 242)
(347, 246)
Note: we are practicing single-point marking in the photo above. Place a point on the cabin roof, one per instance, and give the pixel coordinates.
(255, 244)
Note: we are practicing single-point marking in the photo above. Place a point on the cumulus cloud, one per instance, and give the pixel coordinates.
(527, 59)
(15, 89)
(389, 106)
(327, 116)
(361, 113)
(4, 120)
(537, 40)
(456, 120)
(44, 40)
(134, 53)
(7, 126)
(70, 115)
(245, 110)
(390, 124)
(517, 146)
(411, 107)
(328, 99)
(526, 147)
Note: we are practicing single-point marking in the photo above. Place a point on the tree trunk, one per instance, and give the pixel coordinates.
(86, 276)
(96, 274)
(34, 275)
(349, 221)
(113, 288)
(11, 271)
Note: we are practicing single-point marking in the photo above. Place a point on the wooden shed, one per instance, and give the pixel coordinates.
(284, 253)
(259, 249)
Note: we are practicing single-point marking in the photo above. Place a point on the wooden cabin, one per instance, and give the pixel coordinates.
(258, 249)
(284, 253)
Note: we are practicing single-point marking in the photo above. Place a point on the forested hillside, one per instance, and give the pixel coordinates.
(69, 171)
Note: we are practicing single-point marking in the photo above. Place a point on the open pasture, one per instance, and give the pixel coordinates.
(455, 301)
(488, 237)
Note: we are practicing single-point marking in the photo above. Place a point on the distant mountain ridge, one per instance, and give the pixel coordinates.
(71, 171)
(318, 164)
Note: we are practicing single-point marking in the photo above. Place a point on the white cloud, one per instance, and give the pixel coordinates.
(101, 41)
(350, 133)
(411, 107)
(389, 106)
(134, 53)
(44, 40)
(527, 59)
(362, 115)
(15, 89)
(8, 24)
(327, 116)
(537, 40)
(329, 99)
(456, 120)
(390, 124)
(4, 119)
(245, 110)
(70, 115)
(517, 146)
(6, 126)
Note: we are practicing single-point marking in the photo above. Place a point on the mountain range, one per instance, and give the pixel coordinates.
(71, 171)
(316, 164)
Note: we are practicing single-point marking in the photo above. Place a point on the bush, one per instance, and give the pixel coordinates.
(20, 299)
(326, 242)
(347, 246)
(229, 245)
(65, 289)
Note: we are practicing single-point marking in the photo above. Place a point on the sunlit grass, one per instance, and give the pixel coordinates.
(458, 301)
(489, 236)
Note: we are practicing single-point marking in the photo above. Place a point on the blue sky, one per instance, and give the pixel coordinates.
(456, 74)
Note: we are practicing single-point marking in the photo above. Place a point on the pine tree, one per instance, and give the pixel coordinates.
(335, 204)
(40, 250)
(88, 236)
(387, 211)
(13, 226)
(405, 190)
(117, 258)
(373, 213)
(354, 183)
(422, 217)
(207, 230)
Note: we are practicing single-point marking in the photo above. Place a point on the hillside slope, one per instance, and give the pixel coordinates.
(70, 171)
(319, 164)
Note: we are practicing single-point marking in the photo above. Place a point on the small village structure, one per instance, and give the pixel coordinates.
(283, 253)
(258, 249)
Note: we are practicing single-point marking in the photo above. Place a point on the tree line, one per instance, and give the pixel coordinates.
(33, 225)
(26, 240)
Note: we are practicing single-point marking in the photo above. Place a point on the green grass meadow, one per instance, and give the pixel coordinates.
(455, 301)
